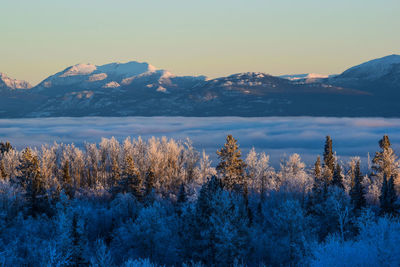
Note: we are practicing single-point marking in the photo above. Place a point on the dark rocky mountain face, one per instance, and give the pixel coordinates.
(138, 89)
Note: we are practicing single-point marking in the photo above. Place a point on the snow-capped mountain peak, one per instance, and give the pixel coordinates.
(10, 83)
(128, 69)
(97, 76)
(372, 69)
(79, 69)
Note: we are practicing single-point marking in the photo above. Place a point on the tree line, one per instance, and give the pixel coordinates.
(160, 202)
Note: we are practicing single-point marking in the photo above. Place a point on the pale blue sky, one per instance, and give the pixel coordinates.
(211, 37)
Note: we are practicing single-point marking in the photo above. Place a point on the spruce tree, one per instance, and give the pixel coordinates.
(388, 197)
(384, 143)
(317, 168)
(357, 194)
(204, 236)
(329, 160)
(149, 184)
(3, 174)
(67, 180)
(337, 179)
(385, 162)
(182, 198)
(5, 147)
(213, 187)
(231, 167)
(32, 182)
(131, 181)
(319, 190)
(116, 173)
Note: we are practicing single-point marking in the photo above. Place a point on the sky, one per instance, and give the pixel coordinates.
(208, 37)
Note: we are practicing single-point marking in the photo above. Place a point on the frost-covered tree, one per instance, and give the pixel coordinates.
(149, 183)
(374, 246)
(77, 250)
(77, 163)
(205, 169)
(349, 175)
(229, 223)
(221, 225)
(31, 180)
(203, 235)
(318, 168)
(48, 165)
(3, 174)
(293, 176)
(5, 147)
(115, 174)
(11, 161)
(92, 161)
(151, 235)
(182, 197)
(338, 201)
(66, 182)
(262, 177)
(190, 158)
(287, 233)
(231, 167)
(131, 181)
(337, 179)
(385, 162)
(186, 216)
(102, 256)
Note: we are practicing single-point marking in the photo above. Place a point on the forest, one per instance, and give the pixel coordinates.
(160, 202)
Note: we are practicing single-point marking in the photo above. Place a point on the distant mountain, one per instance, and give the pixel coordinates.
(373, 69)
(308, 77)
(15, 97)
(140, 89)
(380, 76)
(12, 84)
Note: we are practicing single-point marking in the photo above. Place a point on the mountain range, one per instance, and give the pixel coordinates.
(371, 89)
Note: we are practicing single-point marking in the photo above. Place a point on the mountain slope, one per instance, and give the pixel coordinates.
(373, 69)
(380, 76)
(7, 83)
(139, 89)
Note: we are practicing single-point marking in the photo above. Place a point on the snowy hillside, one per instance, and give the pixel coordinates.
(372, 69)
(92, 76)
(9, 83)
(139, 89)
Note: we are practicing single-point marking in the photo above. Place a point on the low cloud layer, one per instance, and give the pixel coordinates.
(276, 136)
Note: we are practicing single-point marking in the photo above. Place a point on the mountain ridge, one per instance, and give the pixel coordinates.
(140, 89)
(12, 84)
